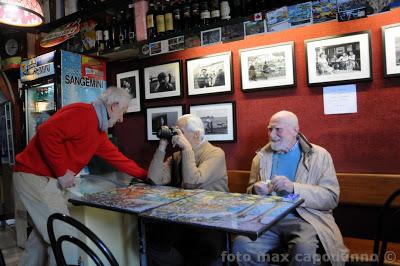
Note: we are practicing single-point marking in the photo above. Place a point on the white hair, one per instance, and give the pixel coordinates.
(193, 123)
(115, 95)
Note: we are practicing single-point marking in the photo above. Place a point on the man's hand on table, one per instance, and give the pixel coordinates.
(67, 180)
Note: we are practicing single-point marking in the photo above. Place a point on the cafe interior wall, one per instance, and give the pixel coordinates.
(365, 142)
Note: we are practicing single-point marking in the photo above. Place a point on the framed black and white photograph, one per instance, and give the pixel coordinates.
(209, 74)
(130, 82)
(209, 37)
(161, 116)
(163, 81)
(339, 59)
(219, 120)
(391, 50)
(268, 67)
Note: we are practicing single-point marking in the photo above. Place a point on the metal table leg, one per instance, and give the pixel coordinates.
(142, 242)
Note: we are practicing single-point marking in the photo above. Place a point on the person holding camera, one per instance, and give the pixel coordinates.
(198, 165)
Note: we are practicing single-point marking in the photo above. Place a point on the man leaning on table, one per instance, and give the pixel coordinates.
(198, 165)
(289, 163)
(62, 146)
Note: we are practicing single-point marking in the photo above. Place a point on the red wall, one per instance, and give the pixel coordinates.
(367, 141)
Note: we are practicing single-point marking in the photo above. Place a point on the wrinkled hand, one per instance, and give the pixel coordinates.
(282, 183)
(262, 188)
(181, 141)
(162, 146)
(67, 180)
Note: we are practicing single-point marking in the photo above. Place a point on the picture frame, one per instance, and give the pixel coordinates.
(163, 81)
(130, 82)
(268, 67)
(391, 50)
(219, 120)
(339, 59)
(161, 116)
(209, 74)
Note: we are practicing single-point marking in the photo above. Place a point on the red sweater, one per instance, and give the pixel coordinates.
(68, 140)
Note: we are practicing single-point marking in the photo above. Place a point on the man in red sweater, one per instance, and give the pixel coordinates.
(61, 147)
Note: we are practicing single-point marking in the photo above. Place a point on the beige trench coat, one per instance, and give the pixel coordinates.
(317, 184)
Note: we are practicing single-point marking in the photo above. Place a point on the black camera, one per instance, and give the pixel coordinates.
(165, 132)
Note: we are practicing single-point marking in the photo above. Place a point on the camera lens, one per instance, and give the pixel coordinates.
(165, 132)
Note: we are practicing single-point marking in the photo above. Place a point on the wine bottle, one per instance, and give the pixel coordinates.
(169, 18)
(187, 15)
(99, 44)
(160, 19)
(177, 12)
(195, 14)
(215, 11)
(205, 14)
(150, 20)
(107, 34)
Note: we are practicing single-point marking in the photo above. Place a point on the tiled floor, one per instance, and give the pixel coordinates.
(8, 246)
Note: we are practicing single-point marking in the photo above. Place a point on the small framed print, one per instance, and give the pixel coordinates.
(210, 74)
(219, 120)
(162, 81)
(130, 82)
(391, 50)
(254, 27)
(212, 36)
(161, 116)
(339, 59)
(268, 67)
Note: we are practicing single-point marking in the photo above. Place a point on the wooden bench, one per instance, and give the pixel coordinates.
(355, 189)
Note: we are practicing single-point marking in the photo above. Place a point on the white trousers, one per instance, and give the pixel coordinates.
(41, 197)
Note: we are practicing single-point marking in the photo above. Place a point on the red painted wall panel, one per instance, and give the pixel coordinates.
(367, 141)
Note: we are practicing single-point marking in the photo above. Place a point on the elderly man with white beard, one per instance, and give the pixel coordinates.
(289, 163)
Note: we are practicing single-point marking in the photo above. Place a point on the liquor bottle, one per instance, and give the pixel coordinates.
(160, 19)
(205, 14)
(215, 11)
(107, 34)
(236, 8)
(186, 15)
(150, 20)
(195, 15)
(99, 44)
(169, 18)
(123, 29)
(225, 10)
(131, 26)
(177, 12)
(115, 32)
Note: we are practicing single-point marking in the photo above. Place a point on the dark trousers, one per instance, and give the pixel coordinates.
(176, 244)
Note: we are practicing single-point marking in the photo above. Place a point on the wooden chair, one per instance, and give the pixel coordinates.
(387, 222)
(56, 244)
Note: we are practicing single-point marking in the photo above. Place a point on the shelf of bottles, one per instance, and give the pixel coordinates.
(123, 27)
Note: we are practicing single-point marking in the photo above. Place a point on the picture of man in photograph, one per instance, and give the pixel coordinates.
(202, 79)
(163, 83)
(129, 84)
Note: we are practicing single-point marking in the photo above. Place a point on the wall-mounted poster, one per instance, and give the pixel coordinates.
(268, 67)
(339, 59)
(83, 78)
(162, 81)
(130, 82)
(161, 116)
(209, 74)
(219, 120)
(391, 50)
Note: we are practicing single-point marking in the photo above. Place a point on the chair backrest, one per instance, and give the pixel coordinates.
(380, 242)
(56, 244)
(2, 262)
